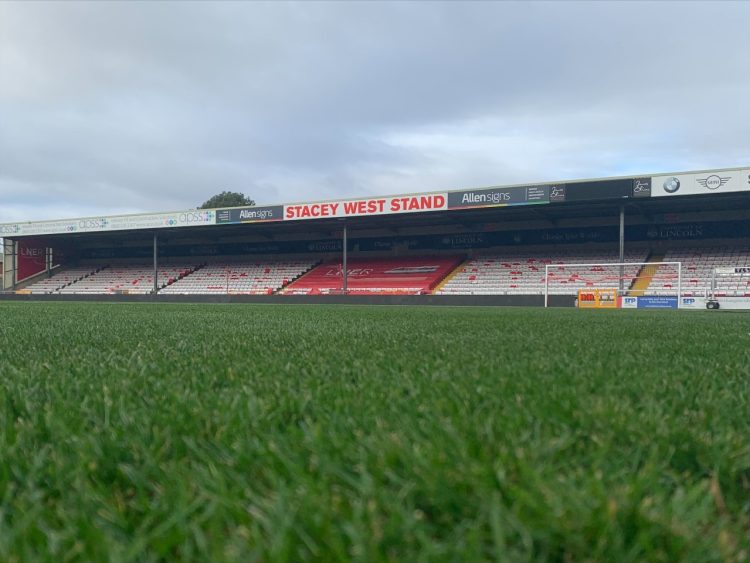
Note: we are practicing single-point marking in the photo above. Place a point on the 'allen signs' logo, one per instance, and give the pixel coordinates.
(713, 182)
(671, 185)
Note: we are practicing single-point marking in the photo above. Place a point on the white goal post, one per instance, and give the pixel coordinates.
(625, 279)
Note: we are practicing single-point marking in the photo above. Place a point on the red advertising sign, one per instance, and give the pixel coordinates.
(32, 258)
(375, 206)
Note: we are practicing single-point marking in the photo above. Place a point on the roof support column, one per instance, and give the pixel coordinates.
(156, 263)
(14, 264)
(622, 246)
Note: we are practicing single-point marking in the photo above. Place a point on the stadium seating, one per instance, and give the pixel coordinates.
(522, 272)
(697, 269)
(126, 279)
(61, 278)
(262, 277)
(383, 276)
(512, 272)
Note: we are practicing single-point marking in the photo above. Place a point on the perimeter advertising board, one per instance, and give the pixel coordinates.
(651, 302)
(725, 181)
(692, 303)
(597, 298)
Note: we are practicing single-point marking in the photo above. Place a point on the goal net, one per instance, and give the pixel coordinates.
(732, 281)
(614, 284)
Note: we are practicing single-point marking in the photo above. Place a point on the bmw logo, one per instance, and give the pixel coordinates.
(671, 185)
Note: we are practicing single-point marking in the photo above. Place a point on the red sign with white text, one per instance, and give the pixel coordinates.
(32, 258)
(375, 206)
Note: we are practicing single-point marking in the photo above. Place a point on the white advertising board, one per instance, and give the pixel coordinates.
(736, 180)
(191, 218)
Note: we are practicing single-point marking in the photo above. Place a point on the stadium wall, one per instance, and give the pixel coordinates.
(436, 300)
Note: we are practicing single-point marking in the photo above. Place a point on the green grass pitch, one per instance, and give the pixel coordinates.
(291, 433)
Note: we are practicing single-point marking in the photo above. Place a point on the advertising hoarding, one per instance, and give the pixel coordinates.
(593, 190)
(191, 218)
(691, 183)
(364, 207)
(32, 258)
(692, 303)
(500, 197)
(250, 214)
(657, 302)
(724, 181)
(597, 298)
(642, 187)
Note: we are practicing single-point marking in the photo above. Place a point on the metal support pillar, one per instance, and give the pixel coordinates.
(344, 286)
(622, 246)
(48, 260)
(156, 263)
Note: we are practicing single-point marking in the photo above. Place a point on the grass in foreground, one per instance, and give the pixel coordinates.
(275, 433)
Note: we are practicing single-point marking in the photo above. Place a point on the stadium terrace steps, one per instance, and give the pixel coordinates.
(457, 270)
(645, 275)
(241, 277)
(376, 276)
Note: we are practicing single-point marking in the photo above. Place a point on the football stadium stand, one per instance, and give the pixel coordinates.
(61, 279)
(125, 279)
(697, 271)
(379, 276)
(262, 277)
(511, 272)
(522, 272)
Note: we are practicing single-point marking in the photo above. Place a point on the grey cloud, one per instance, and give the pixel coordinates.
(147, 106)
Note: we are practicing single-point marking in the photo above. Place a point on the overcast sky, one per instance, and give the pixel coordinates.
(110, 107)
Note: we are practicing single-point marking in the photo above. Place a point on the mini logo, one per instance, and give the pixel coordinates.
(671, 185)
(713, 182)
